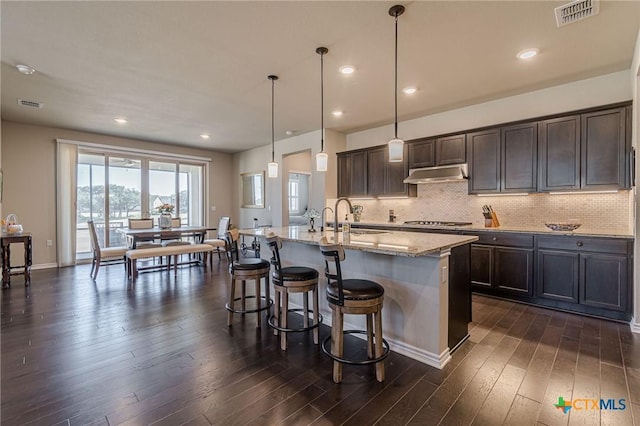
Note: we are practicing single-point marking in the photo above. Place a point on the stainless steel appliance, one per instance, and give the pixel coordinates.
(436, 223)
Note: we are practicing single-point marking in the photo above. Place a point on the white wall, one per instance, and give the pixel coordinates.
(323, 184)
(634, 77)
(606, 89)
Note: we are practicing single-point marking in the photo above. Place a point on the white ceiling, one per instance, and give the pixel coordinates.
(178, 69)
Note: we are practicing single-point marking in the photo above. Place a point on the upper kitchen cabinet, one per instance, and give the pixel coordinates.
(384, 178)
(603, 144)
(352, 174)
(483, 151)
(586, 151)
(451, 150)
(368, 173)
(422, 153)
(559, 160)
(519, 158)
(443, 151)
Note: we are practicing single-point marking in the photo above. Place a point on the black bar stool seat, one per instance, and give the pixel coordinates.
(287, 280)
(243, 270)
(352, 296)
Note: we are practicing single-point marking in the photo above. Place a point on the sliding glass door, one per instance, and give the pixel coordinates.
(133, 187)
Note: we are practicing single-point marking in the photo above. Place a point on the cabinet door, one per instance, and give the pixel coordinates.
(557, 273)
(603, 149)
(514, 270)
(519, 158)
(604, 281)
(559, 157)
(481, 265)
(422, 153)
(376, 159)
(394, 175)
(344, 175)
(358, 181)
(451, 150)
(484, 163)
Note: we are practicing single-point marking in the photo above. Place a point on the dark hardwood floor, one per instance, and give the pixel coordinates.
(78, 352)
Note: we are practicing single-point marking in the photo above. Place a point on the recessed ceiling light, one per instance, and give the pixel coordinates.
(121, 120)
(336, 113)
(527, 53)
(347, 69)
(409, 90)
(205, 136)
(25, 69)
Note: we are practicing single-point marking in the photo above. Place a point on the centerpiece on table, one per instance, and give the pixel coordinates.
(312, 215)
(165, 211)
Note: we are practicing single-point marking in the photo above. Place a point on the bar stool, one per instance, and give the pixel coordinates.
(352, 296)
(292, 279)
(243, 270)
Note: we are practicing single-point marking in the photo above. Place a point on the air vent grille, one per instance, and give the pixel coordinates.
(576, 11)
(32, 104)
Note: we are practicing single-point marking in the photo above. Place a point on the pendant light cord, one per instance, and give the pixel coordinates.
(273, 83)
(321, 102)
(396, 83)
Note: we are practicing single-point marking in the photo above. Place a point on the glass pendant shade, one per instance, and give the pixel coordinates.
(396, 148)
(272, 170)
(322, 159)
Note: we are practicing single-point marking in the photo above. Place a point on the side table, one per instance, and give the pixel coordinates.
(6, 240)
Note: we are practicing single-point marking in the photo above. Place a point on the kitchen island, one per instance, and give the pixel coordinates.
(417, 272)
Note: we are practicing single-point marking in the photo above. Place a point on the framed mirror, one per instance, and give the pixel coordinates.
(253, 190)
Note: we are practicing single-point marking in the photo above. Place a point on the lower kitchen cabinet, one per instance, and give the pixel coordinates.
(502, 263)
(587, 274)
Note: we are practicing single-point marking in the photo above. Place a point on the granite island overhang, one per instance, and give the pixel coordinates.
(418, 272)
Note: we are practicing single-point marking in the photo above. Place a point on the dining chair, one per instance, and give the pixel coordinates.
(143, 242)
(106, 255)
(173, 238)
(219, 243)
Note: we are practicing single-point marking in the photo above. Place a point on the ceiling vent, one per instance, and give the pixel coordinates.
(576, 11)
(32, 104)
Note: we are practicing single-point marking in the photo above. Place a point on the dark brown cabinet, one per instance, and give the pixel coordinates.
(483, 151)
(352, 174)
(368, 173)
(502, 263)
(587, 151)
(590, 272)
(443, 151)
(422, 153)
(451, 150)
(603, 149)
(519, 158)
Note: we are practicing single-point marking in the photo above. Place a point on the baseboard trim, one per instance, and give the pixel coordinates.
(44, 266)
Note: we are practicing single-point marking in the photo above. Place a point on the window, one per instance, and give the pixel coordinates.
(132, 187)
(294, 194)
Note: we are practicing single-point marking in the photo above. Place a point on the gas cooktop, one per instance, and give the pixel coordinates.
(436, 223)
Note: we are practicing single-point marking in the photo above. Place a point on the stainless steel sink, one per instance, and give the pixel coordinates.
(367, 231)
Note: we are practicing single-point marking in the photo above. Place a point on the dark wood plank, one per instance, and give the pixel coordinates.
(160, 353)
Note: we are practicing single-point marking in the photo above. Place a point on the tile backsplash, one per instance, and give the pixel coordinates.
(450, 202)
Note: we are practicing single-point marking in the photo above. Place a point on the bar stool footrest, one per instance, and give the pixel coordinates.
(385, 350)
(250, 311)
(272, 318)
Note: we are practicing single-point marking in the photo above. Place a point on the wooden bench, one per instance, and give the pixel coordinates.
(174, 250)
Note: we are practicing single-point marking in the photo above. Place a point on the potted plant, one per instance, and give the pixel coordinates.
(165, 211)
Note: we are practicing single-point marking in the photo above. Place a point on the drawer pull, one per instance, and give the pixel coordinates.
(494, 238)
(579, 244)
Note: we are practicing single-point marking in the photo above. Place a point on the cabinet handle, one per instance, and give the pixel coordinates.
(579, 244)
(494, 238)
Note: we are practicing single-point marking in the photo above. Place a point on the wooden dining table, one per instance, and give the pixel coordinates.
(134, 235)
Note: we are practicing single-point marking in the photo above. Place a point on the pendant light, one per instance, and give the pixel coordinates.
(272, 167)
(396, 145)
(322, 158)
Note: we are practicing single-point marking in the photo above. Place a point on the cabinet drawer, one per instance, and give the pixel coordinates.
(602, 245)
(503, 239)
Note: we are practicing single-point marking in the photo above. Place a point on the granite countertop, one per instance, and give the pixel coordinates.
(583, 231)
(395, 243)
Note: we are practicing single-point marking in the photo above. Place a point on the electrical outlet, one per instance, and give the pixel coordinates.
(49, 243)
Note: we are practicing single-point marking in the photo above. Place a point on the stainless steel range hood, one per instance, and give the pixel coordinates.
(454, 173)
